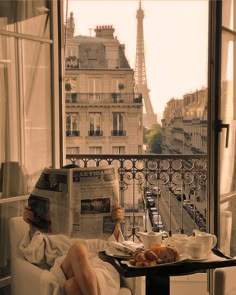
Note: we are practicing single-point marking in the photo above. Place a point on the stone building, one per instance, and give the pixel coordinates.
(184, 124)
(103, 114)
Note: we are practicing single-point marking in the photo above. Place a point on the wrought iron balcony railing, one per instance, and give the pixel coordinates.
(72, 133)
(95, 133)
(179, 183)
(107, 98)
(118, 133)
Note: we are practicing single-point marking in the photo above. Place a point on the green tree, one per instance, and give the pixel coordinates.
(155, 143)
(153, 138)
(68, 87)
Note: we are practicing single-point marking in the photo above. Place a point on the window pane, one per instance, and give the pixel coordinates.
(118, 150)
(227, 156)
(95, 150)
(95, 121)
(228, 16)
(26, 17)
(72, 150)
(26, 107)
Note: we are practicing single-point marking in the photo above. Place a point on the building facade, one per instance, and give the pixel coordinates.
(103, 113)
(184, 124)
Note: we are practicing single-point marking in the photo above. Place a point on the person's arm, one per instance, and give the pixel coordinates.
(117, 214)
(28, 216)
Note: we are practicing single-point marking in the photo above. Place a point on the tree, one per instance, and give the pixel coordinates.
(153, 138)
(155, 143)
(68, 87)
(121, 86)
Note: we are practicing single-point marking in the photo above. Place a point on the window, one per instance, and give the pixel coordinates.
(72, 150)
(71, 60)
(118, 150)
(29, 86)
(29, 105)
(95, 124)
(72, 124)
(95, 150)
(118, 124)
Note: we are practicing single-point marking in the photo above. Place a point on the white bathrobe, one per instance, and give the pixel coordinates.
(50, 250)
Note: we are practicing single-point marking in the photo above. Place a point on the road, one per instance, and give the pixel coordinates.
(169, 206)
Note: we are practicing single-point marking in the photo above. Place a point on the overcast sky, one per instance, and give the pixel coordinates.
(175, 39)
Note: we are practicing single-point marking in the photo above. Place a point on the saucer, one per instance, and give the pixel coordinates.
(198, 259)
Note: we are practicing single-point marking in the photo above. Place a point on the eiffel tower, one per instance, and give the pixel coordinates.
(149, 118)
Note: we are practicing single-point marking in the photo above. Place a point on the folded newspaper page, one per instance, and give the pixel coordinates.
(77, 201)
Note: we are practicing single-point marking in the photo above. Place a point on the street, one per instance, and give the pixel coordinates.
(168, 206)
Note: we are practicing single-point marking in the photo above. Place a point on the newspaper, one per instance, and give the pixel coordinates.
(77, 201)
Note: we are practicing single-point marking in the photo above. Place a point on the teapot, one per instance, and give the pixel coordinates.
(151, 238)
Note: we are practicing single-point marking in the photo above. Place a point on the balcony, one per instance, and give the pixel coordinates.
(95, 133)
(71, 62)
(179, 179)
(103, 98)
(71, 133)
(118, 133)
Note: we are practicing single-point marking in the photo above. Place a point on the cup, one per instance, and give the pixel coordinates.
(209, 241)
(150, 238)
(180, 244)
(179, 236)
(178, 241)
(194, 250)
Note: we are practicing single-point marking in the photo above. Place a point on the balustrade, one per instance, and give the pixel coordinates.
(180, 181)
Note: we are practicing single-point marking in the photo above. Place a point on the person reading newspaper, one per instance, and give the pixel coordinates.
(74, 262)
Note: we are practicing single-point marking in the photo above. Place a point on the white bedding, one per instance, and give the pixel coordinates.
(51, 249)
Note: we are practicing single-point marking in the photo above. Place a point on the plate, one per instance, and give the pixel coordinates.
(119, 254)
(182, 258)
(197, 259)
(123, 250)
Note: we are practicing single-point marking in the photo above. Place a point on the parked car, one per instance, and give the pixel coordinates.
(156, 191)
(156, 218)
(150, 202)
(158, 227)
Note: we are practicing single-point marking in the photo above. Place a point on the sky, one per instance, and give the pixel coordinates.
(175, 40)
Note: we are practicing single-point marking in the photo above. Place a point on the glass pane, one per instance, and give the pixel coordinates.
(27, 17)
(37, 106)
(25, 108)
(228, 17)
(227, 155)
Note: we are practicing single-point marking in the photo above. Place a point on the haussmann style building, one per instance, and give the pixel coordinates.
(103, 114)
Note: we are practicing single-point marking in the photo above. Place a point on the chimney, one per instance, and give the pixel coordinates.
(70, 26)
(104, 32)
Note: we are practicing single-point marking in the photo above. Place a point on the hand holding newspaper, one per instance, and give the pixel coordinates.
(78, 201)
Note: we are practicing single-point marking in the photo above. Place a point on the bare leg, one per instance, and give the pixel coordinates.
(76, 266)
(71, 287)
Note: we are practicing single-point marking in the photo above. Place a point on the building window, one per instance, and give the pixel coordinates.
(71, 60)
(118, 124)
(72, 124)
(95, 150)
(72, 150)
(118, 150)
(95, 124)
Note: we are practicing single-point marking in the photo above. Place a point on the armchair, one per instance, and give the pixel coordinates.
(224, 281)
(28, 279)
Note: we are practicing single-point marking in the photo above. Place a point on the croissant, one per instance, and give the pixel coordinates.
(168, 254)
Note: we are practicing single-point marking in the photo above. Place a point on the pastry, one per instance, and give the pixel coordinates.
(150, 255)
(168, 254)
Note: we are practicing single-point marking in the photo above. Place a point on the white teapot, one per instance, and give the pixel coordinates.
(208, 240)
(151, 238)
